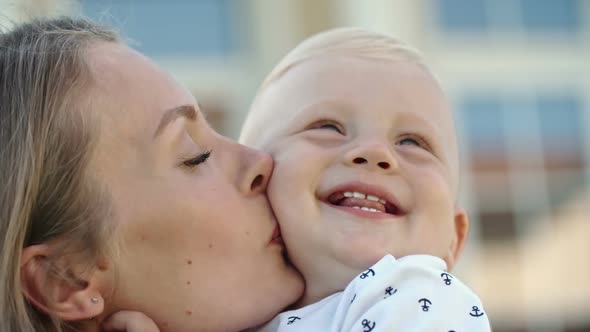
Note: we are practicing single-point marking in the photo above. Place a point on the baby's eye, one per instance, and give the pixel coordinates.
(414, 140)
(409, 141)
(328, 125)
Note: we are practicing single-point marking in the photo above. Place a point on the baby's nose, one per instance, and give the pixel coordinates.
(374, 155)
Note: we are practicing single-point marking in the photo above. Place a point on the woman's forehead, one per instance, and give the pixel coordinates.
(135, 91)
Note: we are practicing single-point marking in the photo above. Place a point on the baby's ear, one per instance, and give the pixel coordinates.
(51, 289)
(459, 237)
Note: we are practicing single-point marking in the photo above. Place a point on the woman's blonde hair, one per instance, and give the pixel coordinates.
(355, 42)
(47, 193)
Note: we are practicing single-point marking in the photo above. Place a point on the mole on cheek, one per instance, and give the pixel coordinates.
(188, 312)
(210, 245)
(189, 261)
(188, 282)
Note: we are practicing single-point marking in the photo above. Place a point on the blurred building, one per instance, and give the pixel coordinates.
(516, 71)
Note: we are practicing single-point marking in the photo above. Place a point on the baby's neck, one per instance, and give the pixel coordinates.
(314, 294)
(321, 282)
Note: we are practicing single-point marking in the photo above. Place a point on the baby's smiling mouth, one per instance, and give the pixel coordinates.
(364, 201)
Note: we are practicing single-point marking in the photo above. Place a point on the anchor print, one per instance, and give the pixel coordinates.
(365, 275)
(292, 319)
(447, 278)
(476, 312)
(389, 291)
(426, 304)
(368, 326)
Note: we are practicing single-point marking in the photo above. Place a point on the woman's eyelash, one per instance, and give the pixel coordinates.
(199, 159)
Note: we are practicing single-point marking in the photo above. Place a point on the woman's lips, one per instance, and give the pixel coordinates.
(276, 235)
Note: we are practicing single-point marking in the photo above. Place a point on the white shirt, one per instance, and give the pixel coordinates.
(413, 293)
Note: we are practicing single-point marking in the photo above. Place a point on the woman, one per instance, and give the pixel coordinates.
(117, 195)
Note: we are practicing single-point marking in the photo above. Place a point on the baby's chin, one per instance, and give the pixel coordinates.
(351, 266)
(359, 257)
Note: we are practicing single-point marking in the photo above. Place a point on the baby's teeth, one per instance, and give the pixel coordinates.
(358, 195)
(372, 198)
(366, 209)
(363, 208)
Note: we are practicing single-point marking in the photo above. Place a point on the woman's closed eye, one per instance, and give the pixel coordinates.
(197, 160)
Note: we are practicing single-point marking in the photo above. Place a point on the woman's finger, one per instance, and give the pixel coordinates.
(129, 321)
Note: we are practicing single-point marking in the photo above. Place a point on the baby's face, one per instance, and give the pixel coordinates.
(365, 162)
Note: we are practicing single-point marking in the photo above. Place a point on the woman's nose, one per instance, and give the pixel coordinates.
(371, 155)
(253, 170)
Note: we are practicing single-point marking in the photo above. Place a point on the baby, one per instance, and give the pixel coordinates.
(365, 186)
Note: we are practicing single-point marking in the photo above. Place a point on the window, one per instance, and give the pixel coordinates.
(174, 27)
(527, 156)
(527, 133)
(484, 129)
(550, 15)
(463, 15)
(530, 16)
(560, 118)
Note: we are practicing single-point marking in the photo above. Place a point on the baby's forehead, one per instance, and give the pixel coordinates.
(327, 83)
(320, 85)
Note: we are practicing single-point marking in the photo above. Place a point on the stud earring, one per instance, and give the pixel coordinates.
(94, 300)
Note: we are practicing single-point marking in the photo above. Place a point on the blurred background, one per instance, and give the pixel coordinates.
(517, 73)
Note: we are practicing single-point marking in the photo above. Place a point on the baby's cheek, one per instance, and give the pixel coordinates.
(283, 188)
(435, 183)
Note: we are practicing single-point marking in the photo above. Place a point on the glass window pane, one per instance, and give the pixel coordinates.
(551, 15)
(561, 129)
(482, 122)
(462, 15)
(177, 27)
(523, 133)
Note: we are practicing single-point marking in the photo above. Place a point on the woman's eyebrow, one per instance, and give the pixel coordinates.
(187, 111)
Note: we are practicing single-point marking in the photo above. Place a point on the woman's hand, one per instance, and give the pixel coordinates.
(129, 321)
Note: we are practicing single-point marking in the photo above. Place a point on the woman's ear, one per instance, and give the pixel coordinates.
(57, 291)
(459, 238)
